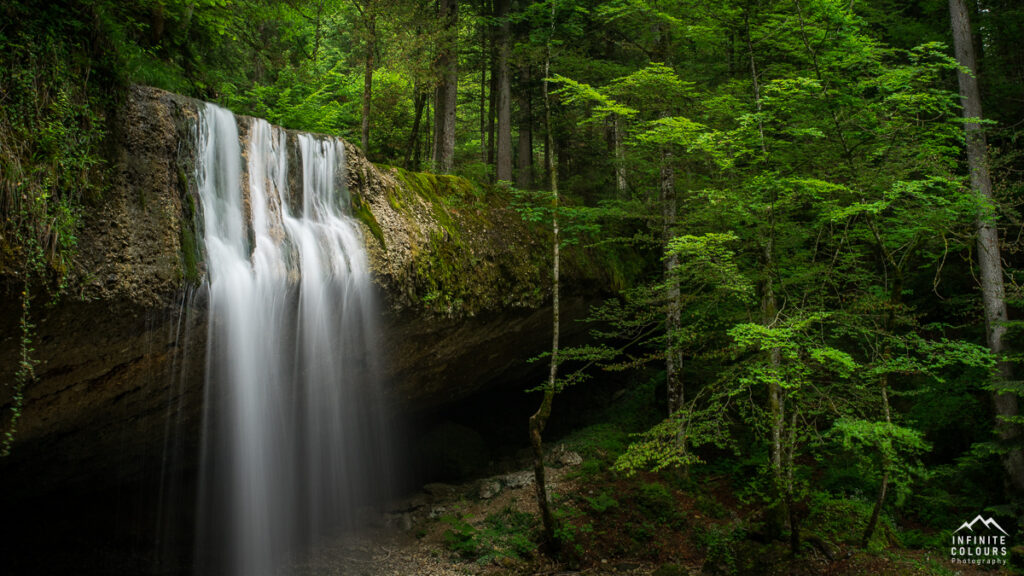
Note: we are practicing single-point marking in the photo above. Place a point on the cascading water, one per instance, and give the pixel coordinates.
(294, 435)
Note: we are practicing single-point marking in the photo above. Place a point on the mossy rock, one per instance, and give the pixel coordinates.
(468, 252)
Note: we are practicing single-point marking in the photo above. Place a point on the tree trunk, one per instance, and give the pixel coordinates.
(426, 149)
(492, 102)
(673, 356)
(504, 158)
(895, 295)
(618, 126)
(869, 530)
(769, 305)
(794, 515)
(539, 419)
(776, 395)
(524, 175)
(484, 61)
(371, 49)
(436, 155)
(769, 311)
(989, 257)
(317, 33)
(537, 422)
(412, 154)
(447, 89)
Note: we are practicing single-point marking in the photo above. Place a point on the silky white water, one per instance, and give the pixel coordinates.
(294, 439)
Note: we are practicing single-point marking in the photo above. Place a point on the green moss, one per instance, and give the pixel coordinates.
(190, 252)
(393, 200)
(443, 193)
(449, 278)
(189, 255)
(479, 254)
(442, 274)
(190, 208)
(362, 212)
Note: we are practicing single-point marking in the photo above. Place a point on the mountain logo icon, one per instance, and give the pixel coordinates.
(988, 522)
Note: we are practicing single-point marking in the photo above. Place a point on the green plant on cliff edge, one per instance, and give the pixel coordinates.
(55, 92)
(26, 372)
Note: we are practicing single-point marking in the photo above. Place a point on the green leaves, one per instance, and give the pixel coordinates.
(709, 262)
(573, 92)
(883, 446)
(673, 442)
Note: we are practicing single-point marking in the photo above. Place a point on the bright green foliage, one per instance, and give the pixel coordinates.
(897, 450)
(823, 170)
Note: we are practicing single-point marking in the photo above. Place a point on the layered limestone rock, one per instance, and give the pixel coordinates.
(464, 287)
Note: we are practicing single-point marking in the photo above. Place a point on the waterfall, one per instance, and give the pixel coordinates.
(294, 440)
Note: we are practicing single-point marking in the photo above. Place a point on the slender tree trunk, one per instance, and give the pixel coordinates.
(371, 52)
(524, 175)
(781, 460)
(440, 98)
(769, 312)
(547, 153)
(618, 127)
(539, 419)
(452, 93)
(484, 61)
(776, 398)
(895, 296)
(673, 317)
(757, 88)
(447, 90)
(989, 257)
(317, 33)
(883, 489)
(776, 403)
(492, 101)
(769, 305)
(504, 159)
(429, 134)
(794, 517)
(412, 154)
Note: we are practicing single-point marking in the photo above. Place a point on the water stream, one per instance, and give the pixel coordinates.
(295, 436)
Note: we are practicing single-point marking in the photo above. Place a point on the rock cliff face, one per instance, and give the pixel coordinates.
(463, 284)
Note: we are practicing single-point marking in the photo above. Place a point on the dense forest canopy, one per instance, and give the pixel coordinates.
(811, 219)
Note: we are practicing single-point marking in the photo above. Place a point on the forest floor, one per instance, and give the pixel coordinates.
(486, 527)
